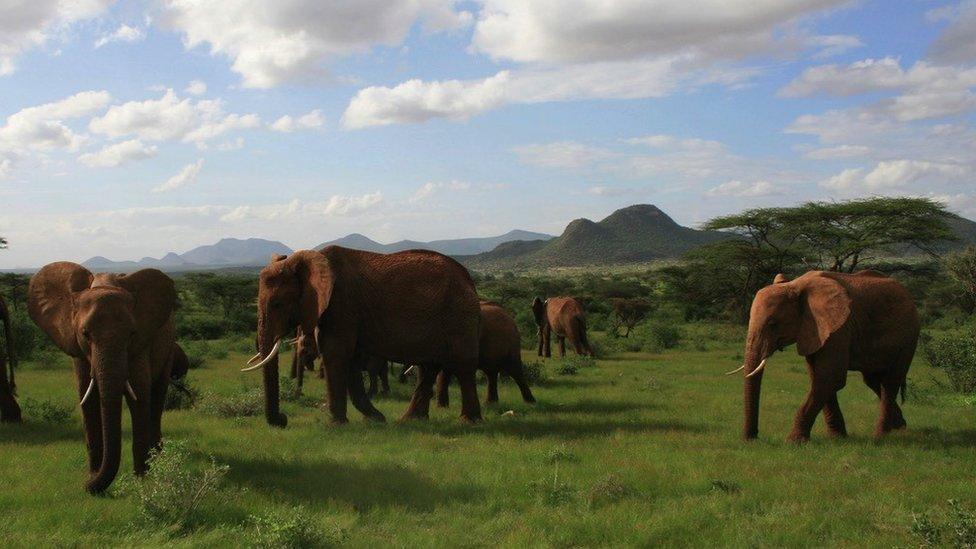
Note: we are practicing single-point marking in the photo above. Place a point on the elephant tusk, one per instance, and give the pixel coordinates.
(253, 359)
(293, 341)
(267, 359)
(739, 369)
(91, 387)
(758, 368)
(408, 370)
(128, 389)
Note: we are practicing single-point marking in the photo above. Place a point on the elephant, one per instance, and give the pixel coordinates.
(303, 358)
(565, 317)
(863, 322)
(378, 370)
(120, 332)
(499, 350)
(416, 306)
(9, 408)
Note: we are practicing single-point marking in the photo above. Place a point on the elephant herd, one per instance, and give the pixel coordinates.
(357, 311)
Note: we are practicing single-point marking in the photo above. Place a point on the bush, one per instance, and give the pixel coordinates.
(577, 362)
(289, 391)
(291, 528)
(567, 368)
(535, 372)
(959, 525)
(245, 403)
(174, 489)
(665, 334)
(607, 491)
(956, 355)
(181, 395)
(46, 411)
(553, 492)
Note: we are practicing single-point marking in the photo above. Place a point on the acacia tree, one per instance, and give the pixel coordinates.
(628, 312)
(962, 267)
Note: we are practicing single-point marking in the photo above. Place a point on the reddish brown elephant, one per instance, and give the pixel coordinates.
(863, 322)
(417, 307)
(9, 409)
(563, 316)
(119, 331)
(303, 358)
(499, 350)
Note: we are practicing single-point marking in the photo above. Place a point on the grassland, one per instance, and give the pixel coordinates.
(643, 449)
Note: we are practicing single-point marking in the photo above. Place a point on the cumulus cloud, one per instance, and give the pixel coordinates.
(119, 153)
(309, 121)
(741, 188)
(171, 118)
(42, 128)
(30, 24)
(336, 205)
(124, 33)
(196, 88)
(957, 43)
(271, 43)
(896, 175)
(185, 177)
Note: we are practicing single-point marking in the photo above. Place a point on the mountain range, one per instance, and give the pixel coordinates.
(459, 246)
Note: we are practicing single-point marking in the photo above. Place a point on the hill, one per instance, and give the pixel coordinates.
(458, 246)
(228, 252)
(634, 234)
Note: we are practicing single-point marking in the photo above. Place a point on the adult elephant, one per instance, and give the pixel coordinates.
(863, 322)
(9, 409)
(563, 316)
(417, 307)
(499, 350)
(119, 331)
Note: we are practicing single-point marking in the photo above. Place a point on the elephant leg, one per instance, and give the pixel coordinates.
(419, 407)
(891, 417)
(157, 405)
(9, 409)
(806, 415)
(577, 346)
(298, 368)
(492, 397)
(91, 413)
(443, 383)
(294, 362)
(834, 418)
(357, 393)
(385, 378)
(470, 407)
(142, 426)
(562, 346)
(372, 383)
(337, 386)
(548, 342)
(539, 348)
(517, 374)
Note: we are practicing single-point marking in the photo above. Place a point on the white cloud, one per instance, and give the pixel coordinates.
(119, 153)
(429, 188)
(740, 188)
(898, 175)
(562, 154)
(288, 124)
(834, 44)
(271, 43)
(42, 127)
(837, 153)
(858, 77)
(595, 30)
(957, 43)
(124, 33)
(336, 205)
(170, 118)
(29, 24)
(196, 87)
(185, 177)
(610, 191)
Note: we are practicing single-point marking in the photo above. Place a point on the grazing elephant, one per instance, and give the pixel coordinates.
(417, 307)
(9, 409)
(864, 322)
(119, 330)
(499, 350)
(565, 317)
(379, 376)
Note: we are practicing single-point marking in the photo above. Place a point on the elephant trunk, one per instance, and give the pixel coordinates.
(266, 345)
(751, 390)
(110, 383)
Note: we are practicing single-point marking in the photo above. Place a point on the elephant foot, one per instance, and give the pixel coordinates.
(834, 433)
(376, 418)
(471, 419)
(11, 418)
(338, 420)
(280, 421)
(529, 399)
(798, 438)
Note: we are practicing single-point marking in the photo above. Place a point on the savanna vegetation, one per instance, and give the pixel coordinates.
(641, 446)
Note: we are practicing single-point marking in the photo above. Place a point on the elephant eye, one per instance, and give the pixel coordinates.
(85, 333)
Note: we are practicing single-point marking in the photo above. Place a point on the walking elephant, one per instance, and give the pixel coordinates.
(863, 322)
(119, 330)
(417, 307)
(499, 350)
(563, 316)
(9, 409)
(305, 352)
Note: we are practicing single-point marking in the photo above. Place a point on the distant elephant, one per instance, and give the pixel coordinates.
(565, 317)
(9, 409)
(499, 350)
(119, 330)
(378, 370)
(416, 307)
(863, 322)
(305, 352)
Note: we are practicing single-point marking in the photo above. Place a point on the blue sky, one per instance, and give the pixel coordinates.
(130, 129)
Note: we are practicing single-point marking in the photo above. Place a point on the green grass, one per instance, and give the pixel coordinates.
(644, 449)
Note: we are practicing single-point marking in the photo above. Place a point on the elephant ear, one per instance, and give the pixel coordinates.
(317, 274)
(825, 306)
(50, 302)
(539, 309)
(781, 278)
(154, 296)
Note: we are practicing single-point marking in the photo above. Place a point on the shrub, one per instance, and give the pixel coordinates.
(606, 491)
(174, 489)
(535, 372)
(46, 411)
(665, 334)
(956, 355)
(291, 528)
(245, 403)
(289, 391)
(181, 395)
(560, 454)
(959, 525)
(553, 492)
(578, 362)
(567, 368)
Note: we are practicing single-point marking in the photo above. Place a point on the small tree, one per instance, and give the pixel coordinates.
(962, 267)
(628, 312)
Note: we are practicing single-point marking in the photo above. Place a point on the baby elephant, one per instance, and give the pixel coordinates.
(500, 350)
(305, 353)
(119, 330)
